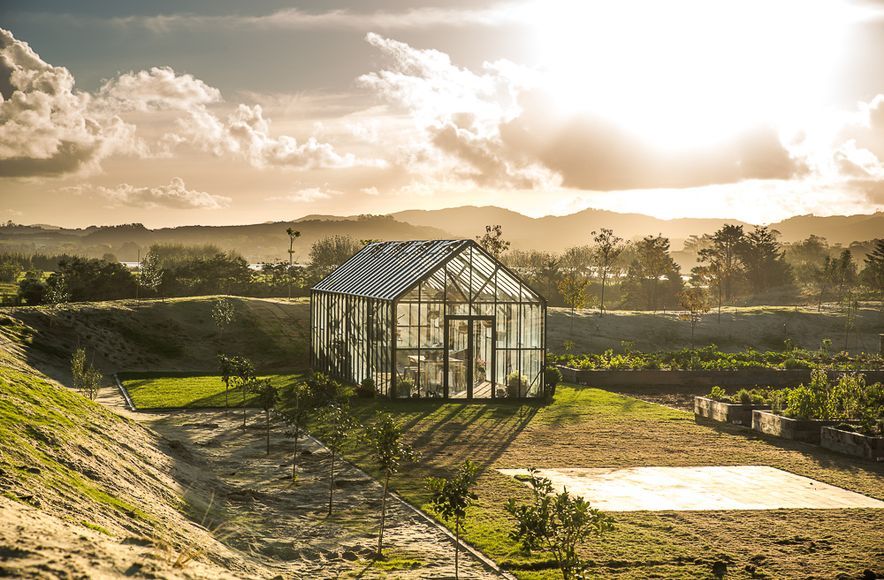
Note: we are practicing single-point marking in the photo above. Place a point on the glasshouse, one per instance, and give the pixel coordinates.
(429, 319)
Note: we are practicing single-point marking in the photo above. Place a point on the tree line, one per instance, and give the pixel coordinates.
(171, 270)
(733, 266)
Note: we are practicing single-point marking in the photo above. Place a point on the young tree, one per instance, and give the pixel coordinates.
(87, 379)
(606, 250)
(450, 498)
(236, 371)
(556, 523)
(573, 290)
(150, 275)
(223, 313)
(267, 396)
(492, 241)
(296, 402)
(695, 301)
(339, 427)
(293, 235)
(390, 452)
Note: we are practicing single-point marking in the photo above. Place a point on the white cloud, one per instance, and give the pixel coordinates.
(175, 195)
(306, 195)
(296, 19)
(370, 191)
(459, 114)
(48, 128)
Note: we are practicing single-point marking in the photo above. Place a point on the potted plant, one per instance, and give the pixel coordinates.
(404, 388)
(516, 385)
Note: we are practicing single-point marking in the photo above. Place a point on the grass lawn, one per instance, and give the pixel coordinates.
(588, 427)
(188, 390)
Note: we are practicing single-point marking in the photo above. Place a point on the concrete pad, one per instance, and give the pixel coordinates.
(734, 487)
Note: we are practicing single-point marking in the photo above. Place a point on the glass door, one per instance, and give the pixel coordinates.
(469, 357)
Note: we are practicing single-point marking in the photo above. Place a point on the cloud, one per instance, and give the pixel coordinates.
(459, 114)
(47, 128)
(176, 195)
(306, 195)
(296, 19)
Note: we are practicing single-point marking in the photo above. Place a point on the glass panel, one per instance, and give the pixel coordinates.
(406, 373)
(482, 348)
(431, 373)
(458, 355)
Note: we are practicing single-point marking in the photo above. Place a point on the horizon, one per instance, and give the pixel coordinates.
(172, 114)
(325, 216)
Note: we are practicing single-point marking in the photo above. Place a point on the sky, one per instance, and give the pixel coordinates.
(223, 112)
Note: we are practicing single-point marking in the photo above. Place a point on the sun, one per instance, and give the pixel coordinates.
(688, 73)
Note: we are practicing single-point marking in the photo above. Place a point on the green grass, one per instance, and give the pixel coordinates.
(189, 390)
(587, 427)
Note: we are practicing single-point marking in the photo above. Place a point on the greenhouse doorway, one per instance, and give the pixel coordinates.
(470, 357)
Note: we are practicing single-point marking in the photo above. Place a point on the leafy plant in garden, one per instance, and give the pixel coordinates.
(552, 376)
(390, 452)
(338, 427)
(516, 385)
(556, 523)
(366, 388)
(450, 498)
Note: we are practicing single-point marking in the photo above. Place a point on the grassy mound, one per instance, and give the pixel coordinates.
(90, 492)
(147, 335)
(189, 390)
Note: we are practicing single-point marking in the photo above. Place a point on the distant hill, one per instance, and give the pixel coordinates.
(555, 233)
(268, 241)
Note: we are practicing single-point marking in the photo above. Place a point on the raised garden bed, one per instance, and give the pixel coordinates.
(705, 379)
(733, 413)
(807, 430)
(850, 443)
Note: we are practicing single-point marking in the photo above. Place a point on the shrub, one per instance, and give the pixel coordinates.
(552, 376)
(366, 388)
(717, 394)
(800, 403)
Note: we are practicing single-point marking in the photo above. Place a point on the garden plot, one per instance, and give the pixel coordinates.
(707, 488)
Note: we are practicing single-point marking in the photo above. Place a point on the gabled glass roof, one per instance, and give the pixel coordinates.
(386, 270)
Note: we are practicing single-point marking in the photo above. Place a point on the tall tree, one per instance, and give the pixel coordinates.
(873, 272)
(293, 235)
(606, 250)
(723, 258)
(653, 277)
(329, 253)
(390, 453)
(150, 275)
(492, 241)
(450, 498)
(764, 260)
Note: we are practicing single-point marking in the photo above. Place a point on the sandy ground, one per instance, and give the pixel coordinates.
(259, 511)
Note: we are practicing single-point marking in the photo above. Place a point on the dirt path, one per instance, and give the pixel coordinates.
(284, 526)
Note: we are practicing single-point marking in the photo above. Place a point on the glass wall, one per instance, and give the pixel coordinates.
(467, 329)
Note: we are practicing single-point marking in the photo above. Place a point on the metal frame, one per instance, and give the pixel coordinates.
(472, 354)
